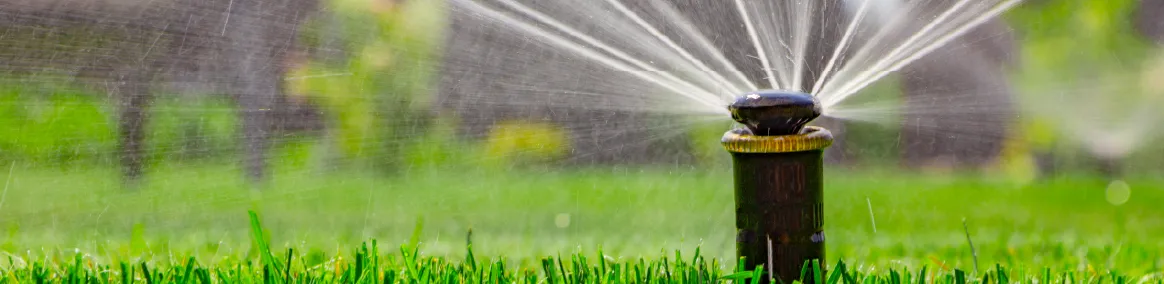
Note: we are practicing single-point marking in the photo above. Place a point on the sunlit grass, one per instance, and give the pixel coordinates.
(368, 264)
(522, 215)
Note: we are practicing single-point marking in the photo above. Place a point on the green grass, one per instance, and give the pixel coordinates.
(368, 265)
(1065, 225)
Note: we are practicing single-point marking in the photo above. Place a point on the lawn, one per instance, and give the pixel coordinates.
(875, 220)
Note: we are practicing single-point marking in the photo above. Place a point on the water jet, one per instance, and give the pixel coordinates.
(779, 178)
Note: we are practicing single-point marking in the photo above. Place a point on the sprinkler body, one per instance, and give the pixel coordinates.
(779, 172)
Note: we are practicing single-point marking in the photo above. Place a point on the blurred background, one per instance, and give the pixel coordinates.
(404, 122)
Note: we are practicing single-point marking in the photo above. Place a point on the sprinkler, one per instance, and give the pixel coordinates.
(778, 165)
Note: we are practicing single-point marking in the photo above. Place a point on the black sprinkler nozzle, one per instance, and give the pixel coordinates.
(775, 112)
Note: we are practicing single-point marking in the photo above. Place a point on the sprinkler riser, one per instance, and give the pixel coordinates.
(778, 165)
(780, 210)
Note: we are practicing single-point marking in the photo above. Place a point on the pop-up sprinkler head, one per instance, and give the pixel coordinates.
(775, 112)
(779, 178)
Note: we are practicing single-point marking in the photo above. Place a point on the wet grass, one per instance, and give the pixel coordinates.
(882, 224)
(367, 264)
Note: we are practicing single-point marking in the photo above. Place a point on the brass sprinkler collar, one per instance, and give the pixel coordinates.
(811, 138)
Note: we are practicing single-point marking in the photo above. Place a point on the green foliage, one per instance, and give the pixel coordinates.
(380, 97)
(54, 126)
(45, 124)
(377, 102)
(1079, 56)
(1078, 38)
(521, 142)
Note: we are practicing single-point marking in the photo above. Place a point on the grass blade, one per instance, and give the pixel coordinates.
(260, 240)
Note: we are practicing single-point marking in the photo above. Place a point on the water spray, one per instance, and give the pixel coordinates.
(779, 173)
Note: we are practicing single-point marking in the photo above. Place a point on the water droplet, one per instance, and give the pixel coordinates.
(1118, 192)
(562, 220)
